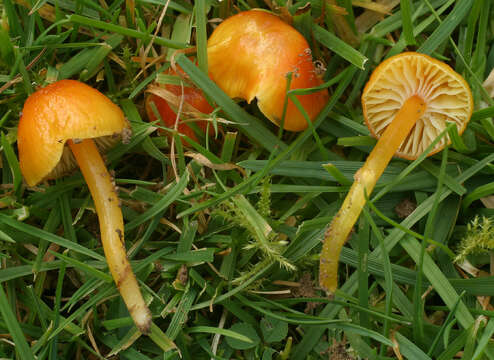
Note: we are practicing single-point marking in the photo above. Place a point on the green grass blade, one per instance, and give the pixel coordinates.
(406, 19)
(157, 208)
(160, 339)
(201, 35)
(15, 330)
(40, 234)
(340, 47)
(213, 330)
(444, 30)
(82, 20)
(409, 349)
(13, 163)
(478, 193)
(439, 281)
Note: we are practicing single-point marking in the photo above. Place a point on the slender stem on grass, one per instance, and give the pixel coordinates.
(112, 229)
(365, 180)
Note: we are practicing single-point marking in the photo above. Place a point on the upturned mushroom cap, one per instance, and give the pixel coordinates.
(446, 94)
(249, 56)
(57, 113)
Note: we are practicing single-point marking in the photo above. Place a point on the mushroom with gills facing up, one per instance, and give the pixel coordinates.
(250, 55)
(407, 103)
(71, 112)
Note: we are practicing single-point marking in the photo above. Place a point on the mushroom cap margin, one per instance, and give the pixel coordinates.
(66, 109)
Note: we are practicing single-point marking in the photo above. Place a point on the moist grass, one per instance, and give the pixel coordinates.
(225, 235)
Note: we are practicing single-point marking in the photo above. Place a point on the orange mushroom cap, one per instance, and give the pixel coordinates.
(193, 99)
(445, 92)
(57, 113)
(249, 56)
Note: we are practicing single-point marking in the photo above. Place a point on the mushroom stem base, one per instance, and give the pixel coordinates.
(111, 225)
(365, 180)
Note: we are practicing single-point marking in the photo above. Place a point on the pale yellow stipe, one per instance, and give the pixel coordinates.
(365, 178)
(112, 229)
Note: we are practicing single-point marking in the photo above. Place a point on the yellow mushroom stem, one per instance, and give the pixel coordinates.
(365, 178)
(111, 225)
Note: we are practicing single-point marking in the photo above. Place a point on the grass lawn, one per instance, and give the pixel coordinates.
(223, 227)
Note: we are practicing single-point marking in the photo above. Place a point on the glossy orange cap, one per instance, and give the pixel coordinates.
(249, 56)
(64, 110)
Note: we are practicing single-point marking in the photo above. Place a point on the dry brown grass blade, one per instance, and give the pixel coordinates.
(174, 101)
(201, 159)
(369, 18)
(343, 29)
(47, 11)
(372, 5)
